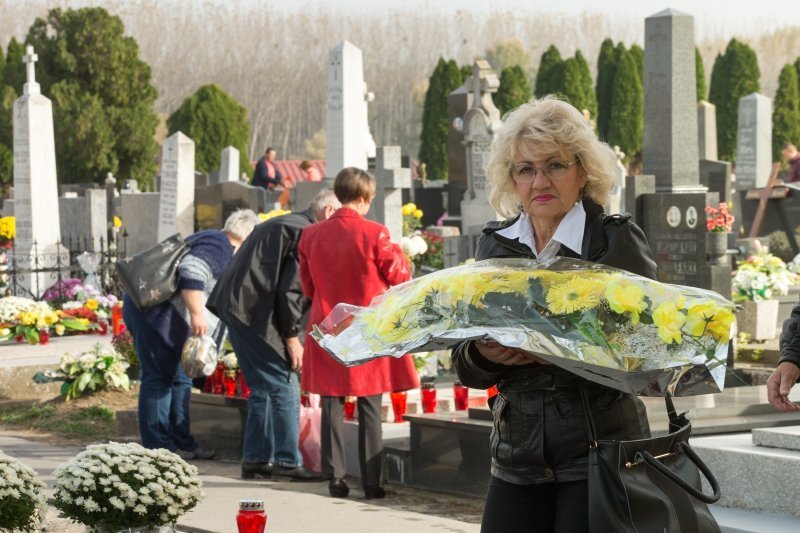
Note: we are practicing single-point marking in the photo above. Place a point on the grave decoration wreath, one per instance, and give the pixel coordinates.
(602, 323)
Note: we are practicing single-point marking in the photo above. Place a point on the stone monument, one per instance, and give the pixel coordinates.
(176, 206)
(480, 123)
(229, 165)
(753, 142)
(616, 197)
(38, 229)
(458, 103)
(349, 140)
(391, 178)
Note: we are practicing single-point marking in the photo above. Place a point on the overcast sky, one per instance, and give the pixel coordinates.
(712, 17)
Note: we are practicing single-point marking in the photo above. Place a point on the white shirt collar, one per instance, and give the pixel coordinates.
(568, 233)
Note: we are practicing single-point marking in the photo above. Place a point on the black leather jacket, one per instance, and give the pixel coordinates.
(790, 338)
(539, 430)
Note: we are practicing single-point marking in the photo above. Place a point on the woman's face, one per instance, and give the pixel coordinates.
(547, 185)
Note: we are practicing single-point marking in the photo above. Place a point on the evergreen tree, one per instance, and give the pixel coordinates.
(7, 97)
(572, 84)
(735, 74)
(446, 78)
(626, 124)
(514, 89)
(102, 95)
(638, 59)
(2, 68)
(797, 70)
(606, 67)
(15, 66)
(786, 112)
(466, 72)
(701, 75)
(587, 87)
(213, 120)
(550, 76)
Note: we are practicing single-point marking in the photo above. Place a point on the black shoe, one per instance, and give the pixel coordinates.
(337, 488)
(374, 491)
(297, 473)
(253, 470)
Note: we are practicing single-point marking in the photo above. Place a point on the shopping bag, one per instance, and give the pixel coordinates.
(310, 428)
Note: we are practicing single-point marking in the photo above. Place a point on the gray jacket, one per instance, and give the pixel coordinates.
(539, 430)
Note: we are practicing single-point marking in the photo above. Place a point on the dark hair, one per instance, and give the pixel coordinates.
(352, 183)
(270, 149)
(305, 164)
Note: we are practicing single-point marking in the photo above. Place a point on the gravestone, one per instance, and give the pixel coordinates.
(139, 214)
(673, 217)
(458, 103)
(390, 180)
(458, 249)
(616, 196)
(480, 123)
(716, 175)
(707, 130)
(38, 229)
(229, 165)
(431, 198)
(214, 203)
(84, 221)
(176, 206)
(349, 142)
(753, 142)
(305, 191)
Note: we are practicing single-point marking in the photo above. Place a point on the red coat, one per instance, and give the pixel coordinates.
(350, 259)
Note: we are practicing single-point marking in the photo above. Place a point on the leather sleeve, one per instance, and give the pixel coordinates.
(474, 370)
(627, 248)
(290, 302)
(790, 338)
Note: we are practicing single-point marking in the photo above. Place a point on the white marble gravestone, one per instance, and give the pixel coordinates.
(390, 180)
(480, 123)
(753, 142)
(38, 229)
(707, 130)
(176, 206)
(229, 165)
(349, 141)
(616, 196)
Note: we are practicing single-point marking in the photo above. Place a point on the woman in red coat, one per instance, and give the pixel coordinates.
(349, 259)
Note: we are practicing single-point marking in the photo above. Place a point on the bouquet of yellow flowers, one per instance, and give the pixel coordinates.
(602, 323)
(7, 231)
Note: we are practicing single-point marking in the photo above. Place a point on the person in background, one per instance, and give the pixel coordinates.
(349, 259)
(312, 173)
(267, 174)
(159, 333)
(787, 373)
(792, 157)
(549, 174)
(260, 300)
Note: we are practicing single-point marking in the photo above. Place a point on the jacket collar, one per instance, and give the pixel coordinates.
(346, 212)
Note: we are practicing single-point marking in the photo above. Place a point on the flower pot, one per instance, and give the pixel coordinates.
(716, 246)
(758, 319)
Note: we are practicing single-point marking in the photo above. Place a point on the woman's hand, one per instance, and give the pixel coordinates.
(497, 353)
(199, 323)
(195, 303)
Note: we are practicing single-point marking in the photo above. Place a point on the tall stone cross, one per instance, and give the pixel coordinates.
(30, 58)
(390, 180)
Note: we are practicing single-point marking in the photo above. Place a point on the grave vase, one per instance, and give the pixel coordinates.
(716, 245)
(758, 319)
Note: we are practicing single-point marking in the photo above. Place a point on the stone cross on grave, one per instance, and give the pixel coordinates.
(30, 58)
(390, 179)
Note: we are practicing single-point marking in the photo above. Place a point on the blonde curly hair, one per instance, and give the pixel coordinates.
(547, 125)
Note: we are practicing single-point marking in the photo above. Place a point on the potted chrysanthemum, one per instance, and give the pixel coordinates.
(21, 496)
(125, 487)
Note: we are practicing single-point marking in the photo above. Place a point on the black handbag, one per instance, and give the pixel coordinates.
(151, 277)
(649, 485)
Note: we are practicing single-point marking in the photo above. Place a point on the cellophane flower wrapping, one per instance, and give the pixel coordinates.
(604, 324)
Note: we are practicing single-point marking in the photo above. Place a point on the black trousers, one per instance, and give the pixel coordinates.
(370, 439)
(542, 508)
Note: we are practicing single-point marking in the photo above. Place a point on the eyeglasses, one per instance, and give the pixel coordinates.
(554, 170)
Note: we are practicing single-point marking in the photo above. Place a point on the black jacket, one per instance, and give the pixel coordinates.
(261, 286)
(790, 338)
(539, 425)
(261, 176)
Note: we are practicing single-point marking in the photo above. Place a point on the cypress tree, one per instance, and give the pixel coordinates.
(213, 120)
(7, 97)
(735, 74)
(587, 87)
(627, 100)
(466, 72)
(2, 68)
(605, 78)
(15, 66)
(786, 112)
(701, 75)
(514, 89)
(571, 84)
(638, 59)
(550, 77)
(446, 78)
(797, 70)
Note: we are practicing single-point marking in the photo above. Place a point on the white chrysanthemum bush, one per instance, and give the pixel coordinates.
(124, 485)
(21, 496)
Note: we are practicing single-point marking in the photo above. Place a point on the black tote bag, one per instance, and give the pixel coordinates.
(151, 277)
(649, 485)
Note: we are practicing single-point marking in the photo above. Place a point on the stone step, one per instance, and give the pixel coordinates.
(752, 477)
(787, 438)
(742, 521)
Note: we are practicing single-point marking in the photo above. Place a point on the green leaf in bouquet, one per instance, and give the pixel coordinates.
(75, 324)
(31, 335)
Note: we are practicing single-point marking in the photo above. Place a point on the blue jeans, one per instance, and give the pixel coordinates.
(273, 408)
(165, 390)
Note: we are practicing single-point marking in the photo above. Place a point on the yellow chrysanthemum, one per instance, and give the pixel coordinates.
(91, 304)
(418, 213)
(117, 222)
(669, 321)
(574, 295)
(516, 281)
(626, 298)
(51, 318)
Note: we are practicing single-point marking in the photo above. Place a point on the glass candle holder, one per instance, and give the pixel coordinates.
(116, 318)
(460, 396)
(350, 408)
(251, 517)
(44, 336)
(428, 398)
(217, 379)
(244, 390)
(102, 327)
(229, 382)
(399, 400)
(491, 391)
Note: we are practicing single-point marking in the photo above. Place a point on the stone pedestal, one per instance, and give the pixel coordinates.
(758, 319)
